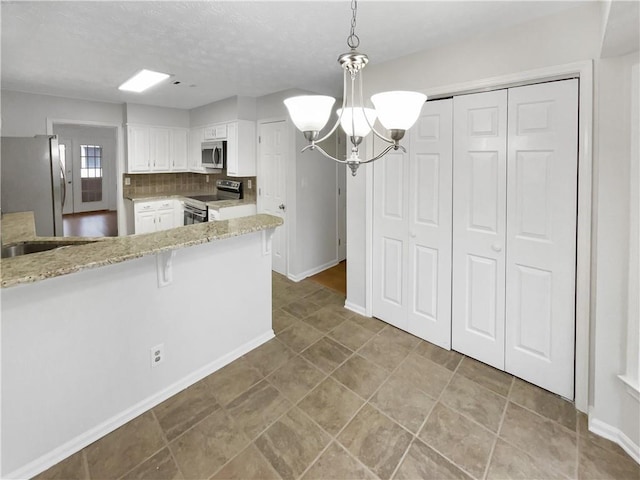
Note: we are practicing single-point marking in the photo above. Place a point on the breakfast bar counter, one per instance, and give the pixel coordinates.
(19, 227)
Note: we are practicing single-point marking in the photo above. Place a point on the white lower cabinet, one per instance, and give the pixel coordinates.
(155, 215)
(505, 203)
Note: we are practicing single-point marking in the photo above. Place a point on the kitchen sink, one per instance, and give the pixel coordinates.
(25, 248)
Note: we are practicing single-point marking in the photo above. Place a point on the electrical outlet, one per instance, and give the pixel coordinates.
(157, 355)
(249, 184)
(127, 180)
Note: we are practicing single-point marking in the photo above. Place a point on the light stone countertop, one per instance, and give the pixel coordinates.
(215, 205)
(106, 251)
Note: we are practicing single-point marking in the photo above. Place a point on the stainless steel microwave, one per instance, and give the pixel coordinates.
(214, 154)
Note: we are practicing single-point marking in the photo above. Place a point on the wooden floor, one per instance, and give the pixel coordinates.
(103, 223)
(334, 278)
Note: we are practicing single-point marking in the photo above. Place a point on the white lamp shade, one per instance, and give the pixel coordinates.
(359, 126)
(309, 113)
(398, 110)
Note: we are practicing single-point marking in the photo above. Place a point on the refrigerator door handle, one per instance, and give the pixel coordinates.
(64, 185)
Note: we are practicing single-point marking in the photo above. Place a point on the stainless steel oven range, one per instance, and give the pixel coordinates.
(195, 206)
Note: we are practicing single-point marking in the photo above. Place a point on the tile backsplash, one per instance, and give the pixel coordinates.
(171, 183)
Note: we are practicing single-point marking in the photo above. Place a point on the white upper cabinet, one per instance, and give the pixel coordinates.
(215, 132)
(137, 149)
(179, 150)
(241, 149)
(159, 149)
(196, 137)
(156, 149)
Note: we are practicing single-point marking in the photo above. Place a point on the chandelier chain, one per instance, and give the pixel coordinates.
(353, 41)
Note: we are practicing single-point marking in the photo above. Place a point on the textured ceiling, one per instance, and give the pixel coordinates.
(219, 49)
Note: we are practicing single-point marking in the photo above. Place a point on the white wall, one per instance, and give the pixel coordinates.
(84, 368)
(161, 116)
(232, 108)
(613, 407)
(25, 114)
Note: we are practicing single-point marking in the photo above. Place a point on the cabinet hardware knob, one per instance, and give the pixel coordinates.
(496, 247)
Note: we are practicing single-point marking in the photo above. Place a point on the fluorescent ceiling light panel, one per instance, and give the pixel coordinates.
(142, 80)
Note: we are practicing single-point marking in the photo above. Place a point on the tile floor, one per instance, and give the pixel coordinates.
(340, 396)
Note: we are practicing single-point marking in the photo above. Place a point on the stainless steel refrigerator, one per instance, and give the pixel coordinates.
(32, 180)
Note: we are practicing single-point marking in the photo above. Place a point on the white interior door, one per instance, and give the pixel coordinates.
(390, 243)
(541, 234)
(479, 209)
(272, 187)
(412, 229)
(429, 224)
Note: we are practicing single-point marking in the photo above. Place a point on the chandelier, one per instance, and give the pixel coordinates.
(397, 111)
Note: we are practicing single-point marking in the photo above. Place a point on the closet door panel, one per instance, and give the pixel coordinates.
(541, 234)
(429, 226)
(479, 216)
(390, 245)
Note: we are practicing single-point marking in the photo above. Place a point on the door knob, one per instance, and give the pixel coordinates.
(412, 234)
(496, 247)
(281, 206)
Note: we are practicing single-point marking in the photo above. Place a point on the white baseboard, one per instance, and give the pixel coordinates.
(312, 271)
(355, 308)
(81, 441)
(615, 435)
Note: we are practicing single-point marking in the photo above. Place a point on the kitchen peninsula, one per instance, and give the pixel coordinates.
(82, 327)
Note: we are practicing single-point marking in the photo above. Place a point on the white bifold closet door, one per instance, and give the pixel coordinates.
(412, 229)
(514, 231)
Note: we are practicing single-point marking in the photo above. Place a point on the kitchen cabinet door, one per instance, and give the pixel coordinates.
(179, 150)
(137, 149)
(241, 149)
(196, 137)
(165, 219)
(145, 222)
(159, 149)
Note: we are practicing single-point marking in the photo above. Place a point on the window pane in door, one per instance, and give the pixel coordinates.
(91, 172)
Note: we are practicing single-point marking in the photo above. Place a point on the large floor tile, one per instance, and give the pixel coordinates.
(327, 318)
(423, 462)
(449, 359)
(360, 375)
(543, 402)
(281, 320)
(400, 337)
(474, 401)
(462, 441)
(299, 336)
(488, 377)
(301, 308)
(326, 296)
(423, 374)
(384, 351)
(510, 462)
(336, 463)
(296, 378)
(71, 468)
(292, 444)
(232, 380)
(205, 448)
(547, 441)
(598, 463)
(121, 450)
(161, 466)
(376, 441)
(326, 354)
(331, 405)
(269, 356)
(399, 399)
(258, 407)
(249, 464)
(351, 335)
(182, 411)
(370, 323)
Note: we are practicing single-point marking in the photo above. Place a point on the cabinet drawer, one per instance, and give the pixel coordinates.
(145, 207)
(165, 204)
